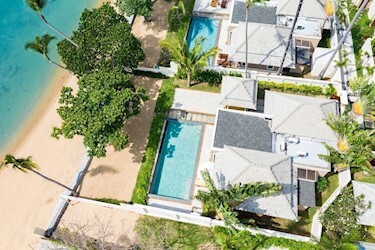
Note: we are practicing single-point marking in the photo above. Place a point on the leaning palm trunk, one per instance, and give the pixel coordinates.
(57, 31)
(55, 63)
(53, 181)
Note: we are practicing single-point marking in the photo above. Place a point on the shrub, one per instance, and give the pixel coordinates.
(330, 90)
(110, 201)
(322, 184)
(291, 88)
(212, 77)
(163, 104)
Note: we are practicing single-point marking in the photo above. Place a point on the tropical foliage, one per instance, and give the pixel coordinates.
(25, 165)
(177, 11)
(190, 60)
(340, 219)
(106, 42)
(163, 104)
(40, 45)
(224, 200)
(135, 7)
(156, 233)
(37, 6)
(105, 100)
(355, 146)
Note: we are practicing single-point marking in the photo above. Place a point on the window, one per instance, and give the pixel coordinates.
(303, 43)
(306, 174)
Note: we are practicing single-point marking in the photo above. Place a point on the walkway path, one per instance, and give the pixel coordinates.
(151, 33)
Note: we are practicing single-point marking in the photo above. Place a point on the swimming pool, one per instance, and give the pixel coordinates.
(206, 27)
(175, 167)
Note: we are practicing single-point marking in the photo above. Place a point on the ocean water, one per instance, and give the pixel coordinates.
(24, 75)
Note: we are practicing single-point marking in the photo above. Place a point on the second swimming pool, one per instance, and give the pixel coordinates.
(205, 27)
(175, 167)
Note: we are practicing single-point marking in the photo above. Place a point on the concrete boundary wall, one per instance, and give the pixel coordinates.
(191, 218)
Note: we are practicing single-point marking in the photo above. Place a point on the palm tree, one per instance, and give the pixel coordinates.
(249, 3)
(177, 10)
(37, 6)
(40, 45)
(26, 165)
(190, 60)
(225, 200)
(355, 146)
(343, 38)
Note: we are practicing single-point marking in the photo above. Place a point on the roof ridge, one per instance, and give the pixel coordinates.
(274, 165)
(249, 163)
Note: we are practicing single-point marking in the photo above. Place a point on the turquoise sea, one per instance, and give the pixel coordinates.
(24, 75)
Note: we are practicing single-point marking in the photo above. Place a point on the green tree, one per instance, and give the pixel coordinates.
(105, 100)
(106, 42)
(177, 11)
(190, 61)
(135, 7)
(37, 6)
(355, 146)
(249, 3)
(25, 165)
(225, 200)
(340, 219)
(40, 45)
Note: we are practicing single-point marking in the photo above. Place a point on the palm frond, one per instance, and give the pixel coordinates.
(36, 5)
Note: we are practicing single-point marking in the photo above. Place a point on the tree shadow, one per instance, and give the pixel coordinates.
(102, 169)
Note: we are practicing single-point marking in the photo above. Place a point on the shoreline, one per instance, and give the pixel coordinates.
(49, 96)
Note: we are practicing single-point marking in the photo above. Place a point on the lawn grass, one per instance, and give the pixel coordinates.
(163, 104)
(198, 86)
(333, 184)
(362, 176)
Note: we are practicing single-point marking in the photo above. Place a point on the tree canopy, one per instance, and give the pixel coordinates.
(105, 40)
(135, 7)
(105, 100)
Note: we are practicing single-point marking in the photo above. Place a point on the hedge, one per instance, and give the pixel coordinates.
(292, 88)
(163, 104)
(110, 201)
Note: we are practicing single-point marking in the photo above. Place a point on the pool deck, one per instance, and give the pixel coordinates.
(204, 6)
(196, 101)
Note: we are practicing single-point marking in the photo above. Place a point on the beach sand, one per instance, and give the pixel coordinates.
(28, 201)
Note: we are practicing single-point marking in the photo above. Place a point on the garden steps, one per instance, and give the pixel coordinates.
(190, 116)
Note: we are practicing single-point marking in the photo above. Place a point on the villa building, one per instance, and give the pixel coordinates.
(269, 26)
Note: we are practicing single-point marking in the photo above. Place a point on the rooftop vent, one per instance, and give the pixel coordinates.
(293, 140)
(301, 154)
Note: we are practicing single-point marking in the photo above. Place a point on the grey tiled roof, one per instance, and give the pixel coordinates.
(266, 45)
(300, 115)
(310, 8)
(240, 129)
(237, 165)
(257, 14)
(239, 92)
(306, 193)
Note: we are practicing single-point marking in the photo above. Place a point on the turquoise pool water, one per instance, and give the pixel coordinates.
(206, 27)
(177, 160)
(23, 74)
